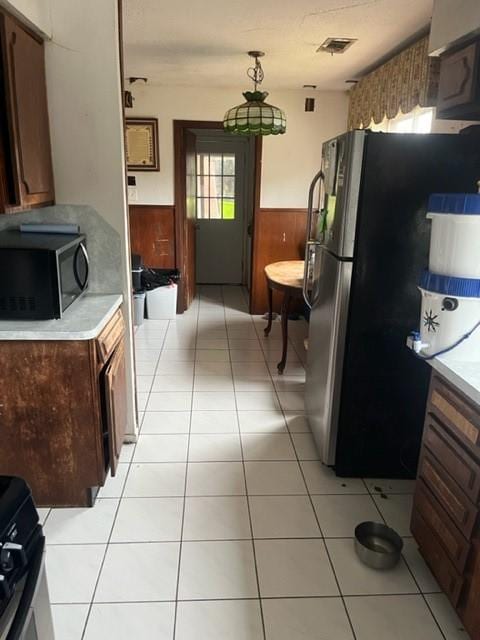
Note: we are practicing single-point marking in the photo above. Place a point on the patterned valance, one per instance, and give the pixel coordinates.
(407, 80)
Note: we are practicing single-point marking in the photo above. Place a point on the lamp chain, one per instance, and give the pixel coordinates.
(256, 73)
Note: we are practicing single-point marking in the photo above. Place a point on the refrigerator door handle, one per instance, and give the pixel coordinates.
(320, 176)
(310, 244)
(310, 256)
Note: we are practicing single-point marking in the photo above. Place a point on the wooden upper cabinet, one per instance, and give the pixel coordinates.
(25, 155)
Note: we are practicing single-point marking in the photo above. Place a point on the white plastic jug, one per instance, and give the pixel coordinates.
(450, 310)
(455, 238)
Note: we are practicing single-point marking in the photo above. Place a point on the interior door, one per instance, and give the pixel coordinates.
(190, 218)
(116, 403)
(221, 200)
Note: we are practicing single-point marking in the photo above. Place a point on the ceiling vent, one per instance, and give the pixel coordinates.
(336, 45)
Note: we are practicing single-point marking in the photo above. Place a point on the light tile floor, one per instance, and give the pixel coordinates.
(221, 524)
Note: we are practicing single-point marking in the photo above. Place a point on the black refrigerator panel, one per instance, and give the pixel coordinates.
(384, 387)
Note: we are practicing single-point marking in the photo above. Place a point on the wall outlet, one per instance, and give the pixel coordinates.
(132, 194)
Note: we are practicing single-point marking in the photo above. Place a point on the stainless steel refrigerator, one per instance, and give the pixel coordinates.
(367, 245)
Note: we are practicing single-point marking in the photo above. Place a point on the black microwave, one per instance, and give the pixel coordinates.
(41, 274)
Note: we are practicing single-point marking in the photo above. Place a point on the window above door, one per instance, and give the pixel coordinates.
(215, 186)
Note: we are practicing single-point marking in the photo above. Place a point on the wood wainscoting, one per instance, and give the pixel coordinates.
(152, 234)
(279, 234)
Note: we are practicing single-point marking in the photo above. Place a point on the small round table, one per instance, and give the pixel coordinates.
(286, 277)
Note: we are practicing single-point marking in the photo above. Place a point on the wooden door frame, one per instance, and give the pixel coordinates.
(179, 129)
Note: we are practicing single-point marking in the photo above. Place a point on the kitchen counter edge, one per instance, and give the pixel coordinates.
(84, 320)
(463, 375)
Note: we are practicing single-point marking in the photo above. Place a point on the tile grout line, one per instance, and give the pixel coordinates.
(298, 459)
(420, 592)
(313, 508)
(177, 588)
(92, 601)
(262, 617)
(410, 571)
(166, 541)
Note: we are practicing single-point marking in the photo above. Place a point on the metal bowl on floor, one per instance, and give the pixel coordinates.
(377, 545)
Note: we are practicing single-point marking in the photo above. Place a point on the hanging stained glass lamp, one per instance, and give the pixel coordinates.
(255, 116)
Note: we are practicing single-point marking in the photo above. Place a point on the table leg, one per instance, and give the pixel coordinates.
(268, 328)
(285, 308)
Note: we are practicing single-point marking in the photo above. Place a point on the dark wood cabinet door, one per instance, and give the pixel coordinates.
(115, 396)
(444, 571)
(459, 464)
(456, 413)
(26, 101)
(450, 496)
(434, 515)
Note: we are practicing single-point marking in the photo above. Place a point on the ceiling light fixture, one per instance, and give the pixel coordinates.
(255, 116)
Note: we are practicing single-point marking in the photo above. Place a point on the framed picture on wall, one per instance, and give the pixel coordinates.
(142, 144)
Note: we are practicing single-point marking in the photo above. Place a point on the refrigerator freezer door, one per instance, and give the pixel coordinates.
(326, 343)
(342, 188)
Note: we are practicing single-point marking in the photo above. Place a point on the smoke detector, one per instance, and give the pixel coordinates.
(336, 45)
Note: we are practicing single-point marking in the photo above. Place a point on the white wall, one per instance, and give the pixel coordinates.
(85, 107)
(289, 160)
(86, 126)
(36, 13)
(452, 20)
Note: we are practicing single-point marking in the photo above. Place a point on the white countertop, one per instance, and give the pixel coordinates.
(83, 320)
(463, 375)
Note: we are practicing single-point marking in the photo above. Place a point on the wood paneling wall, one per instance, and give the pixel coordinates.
(152, 234)
(279, 234)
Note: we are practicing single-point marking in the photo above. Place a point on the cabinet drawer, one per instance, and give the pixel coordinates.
(452, 541)
(110, 336)
(459, 464)
(454, 412)
(450, 496)
(448, 578)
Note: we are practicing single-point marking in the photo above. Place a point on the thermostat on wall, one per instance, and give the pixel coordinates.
(132, 188)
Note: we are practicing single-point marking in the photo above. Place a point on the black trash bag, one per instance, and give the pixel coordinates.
(153, 278)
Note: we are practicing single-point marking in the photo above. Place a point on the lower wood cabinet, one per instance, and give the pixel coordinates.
(63, 414)
(445, 520)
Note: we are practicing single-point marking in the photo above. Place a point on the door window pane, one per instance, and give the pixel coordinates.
(228, 209)
(202, 187)
(202, 164)
(203, 208)
(215, 208)
(229, 187)
(215, 164)
(228, 165)
(215, 186)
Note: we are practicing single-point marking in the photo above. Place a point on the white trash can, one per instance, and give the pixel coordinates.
(138, 307)
(455, 238)
(447, 316)
(162, 303)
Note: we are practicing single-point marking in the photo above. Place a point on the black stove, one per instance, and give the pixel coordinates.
(21, 535)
